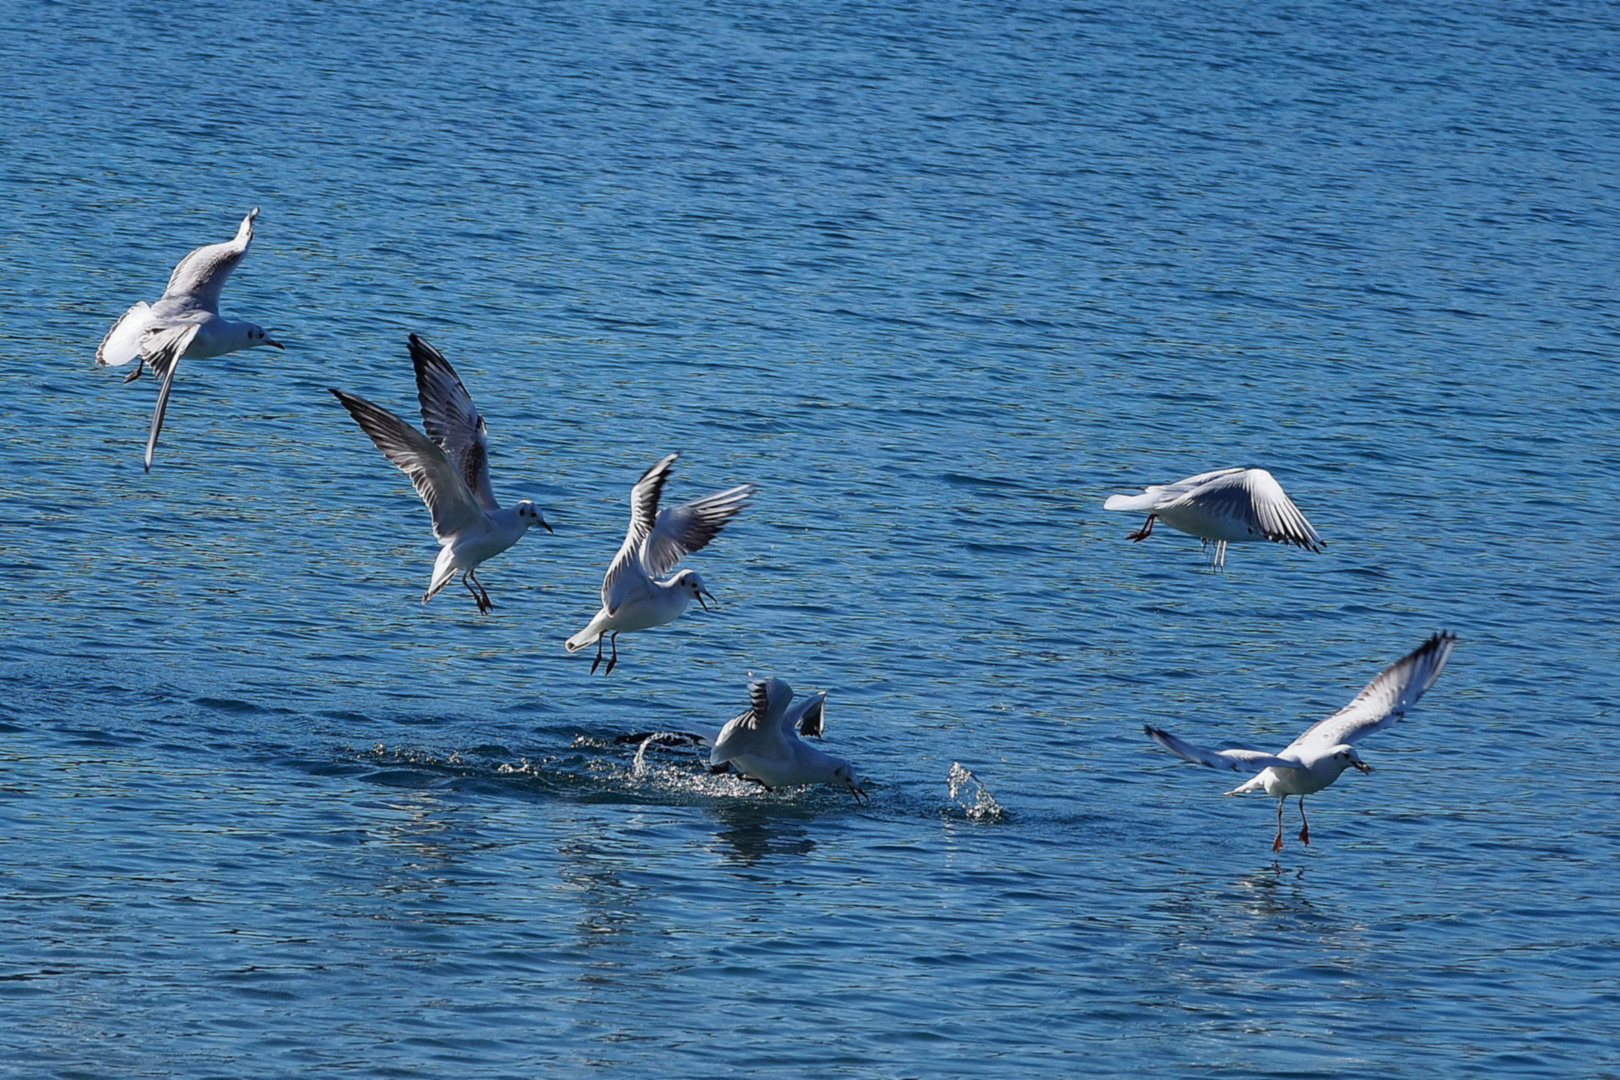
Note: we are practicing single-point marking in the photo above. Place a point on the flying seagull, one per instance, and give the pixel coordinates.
(1221, 507)
(450, 468)
(632, 596)
(1315, 759)
(184, 323)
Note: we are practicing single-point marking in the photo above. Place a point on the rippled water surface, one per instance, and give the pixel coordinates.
(939, 279)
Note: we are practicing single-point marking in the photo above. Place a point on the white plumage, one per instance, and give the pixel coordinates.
(184, 323)
(632, 596)
(1315, 759)
(449, 467)
(1221, 507)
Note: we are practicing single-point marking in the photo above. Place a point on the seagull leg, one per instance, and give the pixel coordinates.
(1304, 826)
(1144, 532)
(598, 659)
(480, 597)
(614, 659)
(1276, 845)
(140, 365)
(755, 780)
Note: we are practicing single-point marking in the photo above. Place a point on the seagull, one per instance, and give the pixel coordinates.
(632, 596)
(1315, 759)
(450, 468)
(184, 324)
(1223, 506)
(763, 744)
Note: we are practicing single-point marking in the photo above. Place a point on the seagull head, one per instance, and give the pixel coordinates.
(530, 515)
(690, 583)
(1350, 759)
(844, 773)
(256, 336)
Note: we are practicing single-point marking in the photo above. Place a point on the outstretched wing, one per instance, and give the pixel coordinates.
(1235, 760)
(626, 565)
(163, 349)
(452, 420)
(681, 530)
(201, 274)
(447, 496)
(1252, 499)
(1381, 702)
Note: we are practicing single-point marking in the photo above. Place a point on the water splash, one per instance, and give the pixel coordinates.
(972, 796)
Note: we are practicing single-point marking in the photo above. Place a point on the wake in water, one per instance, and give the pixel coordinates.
(974, 799)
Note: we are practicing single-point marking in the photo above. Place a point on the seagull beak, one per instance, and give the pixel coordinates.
(859, 794)
(547, 527)
(272, 342)
(701, 593)
(1363, 766)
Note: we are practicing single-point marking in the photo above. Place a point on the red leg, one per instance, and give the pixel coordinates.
(1304, 826)
(1144, 532)
(1276, 845)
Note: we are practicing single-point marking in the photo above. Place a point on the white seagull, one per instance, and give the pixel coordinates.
(1315, 759)
(184, 323)
(1221, 507)
(632, 596)
(763, 745)
(450, 468)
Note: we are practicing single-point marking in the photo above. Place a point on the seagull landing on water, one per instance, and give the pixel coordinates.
(184, 323)
(763, 744)
(450, 468)
(1222, 507)
(1315, 759)
(632, 596)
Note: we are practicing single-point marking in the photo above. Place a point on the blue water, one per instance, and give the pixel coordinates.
(939, 279)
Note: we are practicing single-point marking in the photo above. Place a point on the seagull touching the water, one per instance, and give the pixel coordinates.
(450, 468)
(763, 744)
(632, 596)
(1221, 507)
(1315, 759)
(184, 323)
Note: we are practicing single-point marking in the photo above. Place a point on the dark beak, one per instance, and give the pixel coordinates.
(701, 593)
(1363, 766)
(859, 794)
(546, 527)
(276, 344)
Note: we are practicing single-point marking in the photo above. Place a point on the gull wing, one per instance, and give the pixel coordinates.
(626, 568)
(163, 349)
(1238, 759)
(681, 530)
(809, 717)
(452, 420)
(760, 726)
(1381, 702)
(201, 275)
(1252, 498)
(435, 477)
(1156, 495)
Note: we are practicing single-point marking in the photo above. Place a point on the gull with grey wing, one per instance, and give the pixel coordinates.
(184, 323)
(1315, 759)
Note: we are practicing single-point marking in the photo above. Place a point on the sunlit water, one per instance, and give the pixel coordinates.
(939, 280)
